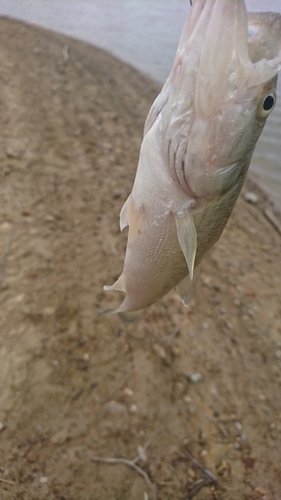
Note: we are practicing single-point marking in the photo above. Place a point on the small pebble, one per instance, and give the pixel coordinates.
(261, 490)
(223, 467)
(196, 377)
(60, 437)
(238, 426)
(5, 227)
(251, 197)
(176, 351)
(115, 408)
(191, 473)
(49, 311)
(2, 426)
(19, 298)
(207, 281)
(49, 218)
(160, 351)
(128, 392)
(43, 480)
(142, 454)
(133, 408)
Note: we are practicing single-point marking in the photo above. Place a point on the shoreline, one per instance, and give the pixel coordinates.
(272, 198)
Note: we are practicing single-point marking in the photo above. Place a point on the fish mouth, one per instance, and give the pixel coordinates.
(220, 32)
(230, 46)
(264, 39)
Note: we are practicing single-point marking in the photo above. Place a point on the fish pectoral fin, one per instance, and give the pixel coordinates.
(133, 217)
(186, 288)
(187, 237)
(117, 286)
(124, 216)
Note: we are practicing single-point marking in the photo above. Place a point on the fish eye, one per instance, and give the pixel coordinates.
(268, 103)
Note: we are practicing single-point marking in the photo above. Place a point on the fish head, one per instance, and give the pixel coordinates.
(219, 94)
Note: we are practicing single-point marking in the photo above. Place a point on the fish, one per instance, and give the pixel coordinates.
(198, 141)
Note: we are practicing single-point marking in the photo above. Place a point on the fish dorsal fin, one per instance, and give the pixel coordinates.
(186, 288)
(187, 237)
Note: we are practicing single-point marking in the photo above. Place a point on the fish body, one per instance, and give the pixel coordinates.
(198, 141)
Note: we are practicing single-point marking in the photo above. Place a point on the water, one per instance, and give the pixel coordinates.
(145, 33)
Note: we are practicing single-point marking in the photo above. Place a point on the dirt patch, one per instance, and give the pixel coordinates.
(73, 384)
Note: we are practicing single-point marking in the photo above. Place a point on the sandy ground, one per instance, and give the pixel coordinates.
(73, 384)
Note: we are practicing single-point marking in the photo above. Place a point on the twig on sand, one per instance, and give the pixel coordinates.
(6, 481)
(169, 338)
(197, 464)
(22, 211)
(202, 483)
(133, 463)
(273, 220)
(140, 455)
(209, 480)
(5, 258)
(16, 200)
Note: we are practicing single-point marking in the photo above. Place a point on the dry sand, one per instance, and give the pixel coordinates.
(74, 384)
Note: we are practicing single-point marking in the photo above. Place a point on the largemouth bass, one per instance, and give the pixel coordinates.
(198, 141)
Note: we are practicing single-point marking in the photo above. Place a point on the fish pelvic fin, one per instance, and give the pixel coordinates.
(186, 288)
(118, 286)
(187, 237)
(133, 217)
